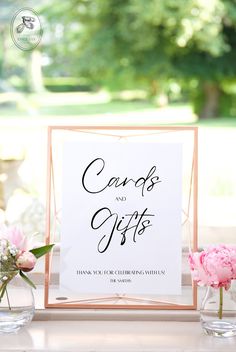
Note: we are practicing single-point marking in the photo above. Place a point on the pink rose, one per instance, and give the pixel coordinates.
(214, 267)
(26, 261)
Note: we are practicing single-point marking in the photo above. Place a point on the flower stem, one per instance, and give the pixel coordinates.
(220, 313)
(8, 301)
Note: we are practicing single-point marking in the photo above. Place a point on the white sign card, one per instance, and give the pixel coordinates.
(121, 218)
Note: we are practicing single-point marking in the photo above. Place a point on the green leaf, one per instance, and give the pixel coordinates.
(29, 282)
(39, 252)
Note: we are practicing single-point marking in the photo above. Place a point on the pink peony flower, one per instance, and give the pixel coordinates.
(26, 261)
(214, 267)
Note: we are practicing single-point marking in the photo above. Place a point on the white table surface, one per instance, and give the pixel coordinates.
(104, 336)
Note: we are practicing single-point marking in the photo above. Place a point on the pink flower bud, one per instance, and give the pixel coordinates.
(26, 261)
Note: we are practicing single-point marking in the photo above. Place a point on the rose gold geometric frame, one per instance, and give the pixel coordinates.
(188, 136)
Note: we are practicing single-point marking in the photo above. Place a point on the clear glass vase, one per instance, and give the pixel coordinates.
(218, 311)
(17, 303)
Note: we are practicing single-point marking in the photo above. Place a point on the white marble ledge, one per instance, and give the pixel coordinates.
(117, 336)
(116, 315)
(100, 336)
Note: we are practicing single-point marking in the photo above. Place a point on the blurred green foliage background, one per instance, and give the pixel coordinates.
(163, 51)
(129, 62)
